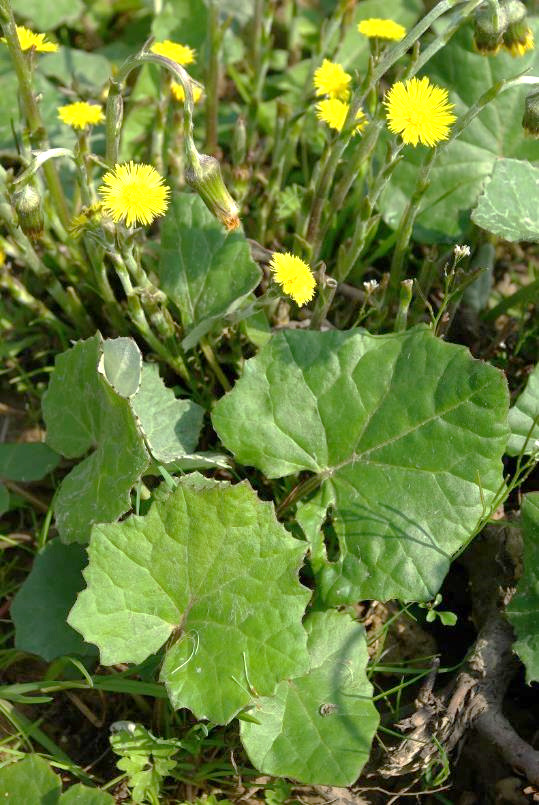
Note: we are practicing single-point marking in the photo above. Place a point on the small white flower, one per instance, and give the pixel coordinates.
(370, 286)
(461, 251)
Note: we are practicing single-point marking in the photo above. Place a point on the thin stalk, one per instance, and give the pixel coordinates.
(405, 298)
(214, 38)
(209, 354)
(300, 490)
(406, 223)
(348, 257)
(158, 131)
(325, 297)
(38, 135)
(68, 300)
(138, 317)
(400, 48)
(360, 157)
(19, 293)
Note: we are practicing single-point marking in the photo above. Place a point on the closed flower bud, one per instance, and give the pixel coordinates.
(490, 24)
(518, 38)
(203, 174)
(29, 211)
(239, 142)
(530, 121)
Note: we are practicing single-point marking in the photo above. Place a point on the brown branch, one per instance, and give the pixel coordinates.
(475, 698)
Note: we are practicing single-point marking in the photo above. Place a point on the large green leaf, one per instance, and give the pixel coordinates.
(170, 426)
(204, 270)
(72, 67)
(523, 611)
(460, 169)
(509, 203)
(210, 570)
(318, 727)
(31, 781)
(83, 413)
(40, 608)
(46, 16)
(524, 418)
(406, 431)
(27, 461)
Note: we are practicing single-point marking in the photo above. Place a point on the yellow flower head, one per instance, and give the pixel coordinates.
(181, 54)
(294, 276)
(518, 47)
(134, 193)
(382, 29)
(333, 112)
(419, 111)
(80, 114)
(28, 40)
(179, 94)
(332, 80)
(88, 217)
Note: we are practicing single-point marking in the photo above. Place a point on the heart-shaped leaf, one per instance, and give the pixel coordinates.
(171, 426)
(33, 782)
(211, 570)
(330, 707)
(460, 169)
(509, 204)
(406, 431)
(204, 269)
(40, 608)
(523, 611)
(524, 418)
(83, 413)
(27, 461)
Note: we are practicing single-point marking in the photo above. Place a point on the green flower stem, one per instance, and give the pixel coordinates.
(138, 317)
(215, 39)
(38, 135)
(158, 131)
(114, 110)
(209, 354)
(457, 18)
(82, 153)
(405, 298)
(411, 211)
(359, 159)
(324, 299)
(406, 223)
(347, 258)
(68, 300)
(400, 48)
(19, 293)
(325, 178)
(299, 491)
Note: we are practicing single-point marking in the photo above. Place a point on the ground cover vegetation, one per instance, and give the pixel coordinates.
(270, 401)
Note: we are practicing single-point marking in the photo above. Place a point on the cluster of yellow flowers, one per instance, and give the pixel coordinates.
(416, 109)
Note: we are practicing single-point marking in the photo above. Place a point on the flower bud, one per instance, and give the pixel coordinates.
(530, 121)
(203, 173)
(518, 38)
(239, 142)
(490, 23)
(29, 211)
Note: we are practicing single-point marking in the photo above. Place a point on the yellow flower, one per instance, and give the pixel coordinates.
(419, 111)
(28, 39)
(518, 47)
(331, 79)
(333, 112)
(179, 94)
(382, 29)
(81, 114)
(294, 276)
(181, 54)
(134, 193)
(87, 217)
